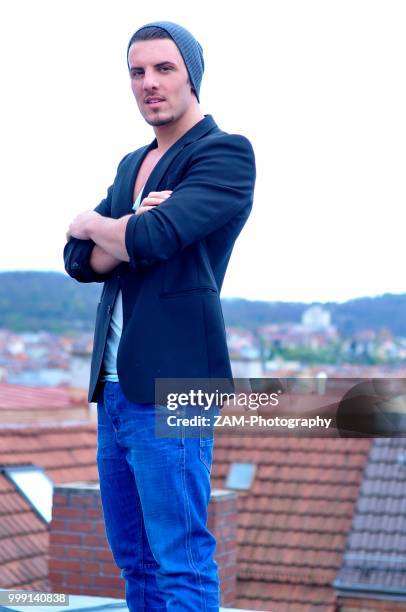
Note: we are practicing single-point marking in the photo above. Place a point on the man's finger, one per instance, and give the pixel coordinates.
(157, 193)
(143, 209)
(153, 201)
(161, 195)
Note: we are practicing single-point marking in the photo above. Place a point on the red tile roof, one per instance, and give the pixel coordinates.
(67, 453)
(293, 522)
(285, 597)
(23, 540)
(21, 396)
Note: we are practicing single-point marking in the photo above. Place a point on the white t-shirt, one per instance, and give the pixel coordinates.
(109, 371)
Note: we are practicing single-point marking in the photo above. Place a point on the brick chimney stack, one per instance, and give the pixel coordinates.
(80, 561)
(222, 523)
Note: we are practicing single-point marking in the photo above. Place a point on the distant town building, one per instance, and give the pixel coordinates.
(316, 318)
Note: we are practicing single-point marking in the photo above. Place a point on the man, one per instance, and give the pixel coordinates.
(161, 241)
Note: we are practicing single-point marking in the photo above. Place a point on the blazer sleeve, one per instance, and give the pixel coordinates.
(76, 253)
(218, 184)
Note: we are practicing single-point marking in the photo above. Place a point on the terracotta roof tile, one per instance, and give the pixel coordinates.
(67, 453)
(12, 502)
(279, 597)
(293, 521)
(21, 396)
(23, 536)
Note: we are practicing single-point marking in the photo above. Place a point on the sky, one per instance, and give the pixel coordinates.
(318, 86)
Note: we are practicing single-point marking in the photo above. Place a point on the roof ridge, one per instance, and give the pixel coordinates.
(29, 428)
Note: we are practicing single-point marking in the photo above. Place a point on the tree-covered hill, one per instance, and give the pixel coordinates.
(386, 311)
(32, 301)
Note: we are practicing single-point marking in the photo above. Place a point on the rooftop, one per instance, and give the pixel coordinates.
(375, 555)
(20, 396)
(67, 453)
(20, 404)
(293, 521)
(83, 603)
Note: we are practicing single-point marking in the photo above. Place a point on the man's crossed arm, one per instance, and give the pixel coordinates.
(109, 234)
(217, 188)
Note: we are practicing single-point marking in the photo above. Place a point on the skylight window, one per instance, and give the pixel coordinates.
(34, 484)
(240, 476)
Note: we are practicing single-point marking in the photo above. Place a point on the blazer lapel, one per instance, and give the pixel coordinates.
(197, 131)
(128, 179)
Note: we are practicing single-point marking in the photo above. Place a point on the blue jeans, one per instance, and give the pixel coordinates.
(155, 493)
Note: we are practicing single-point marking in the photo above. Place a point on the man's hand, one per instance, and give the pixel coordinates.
(80, 226)
(153, 199)
(108, 233)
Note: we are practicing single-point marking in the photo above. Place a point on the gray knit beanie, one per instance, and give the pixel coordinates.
(189, 48)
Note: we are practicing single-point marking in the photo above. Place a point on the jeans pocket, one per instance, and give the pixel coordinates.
(206, 451)
(169, 424)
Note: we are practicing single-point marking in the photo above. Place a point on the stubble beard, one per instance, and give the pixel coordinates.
(155, 119)
(157, 122)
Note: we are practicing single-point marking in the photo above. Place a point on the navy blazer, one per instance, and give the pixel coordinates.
(173, 325)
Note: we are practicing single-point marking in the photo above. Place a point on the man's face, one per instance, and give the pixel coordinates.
(159, 81)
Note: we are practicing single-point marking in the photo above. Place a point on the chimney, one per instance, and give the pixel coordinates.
(80, 561)
(222, 522)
